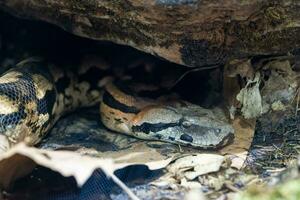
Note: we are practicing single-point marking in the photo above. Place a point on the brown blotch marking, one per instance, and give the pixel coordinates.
(31, 107)
(109, 121)
(111, 112)
(118, 120)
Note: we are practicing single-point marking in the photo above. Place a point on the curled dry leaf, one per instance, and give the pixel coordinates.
(201, 164)
(21, 160)
(251, 99)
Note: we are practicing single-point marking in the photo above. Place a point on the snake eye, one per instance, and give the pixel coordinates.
(186, 124)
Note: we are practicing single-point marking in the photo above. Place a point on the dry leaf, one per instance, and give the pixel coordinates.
(21, 160)
(210, 163)
(190, 184)
(237, 151)
(251, 99)
(204, 163)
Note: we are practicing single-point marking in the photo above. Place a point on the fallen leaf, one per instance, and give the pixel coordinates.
(21, 160)
(237, 151)
(251, 99)
(204, 163)
(210, 163)
(190, 184)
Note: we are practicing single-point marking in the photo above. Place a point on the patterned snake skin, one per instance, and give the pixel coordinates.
(35, 94)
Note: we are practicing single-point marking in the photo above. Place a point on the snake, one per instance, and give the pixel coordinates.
(35, 94)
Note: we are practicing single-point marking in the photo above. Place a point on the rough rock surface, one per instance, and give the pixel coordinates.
(189, 32)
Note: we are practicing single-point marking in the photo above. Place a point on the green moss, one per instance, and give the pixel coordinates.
(275, 15)
(287, 191)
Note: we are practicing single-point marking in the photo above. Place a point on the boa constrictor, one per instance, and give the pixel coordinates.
(35, 94)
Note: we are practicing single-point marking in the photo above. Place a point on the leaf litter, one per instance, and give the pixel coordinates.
(81, 150)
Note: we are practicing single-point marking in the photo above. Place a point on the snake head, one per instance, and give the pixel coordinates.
(187, 124)
(204, 130)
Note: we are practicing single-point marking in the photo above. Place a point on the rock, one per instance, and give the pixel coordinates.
(189, 32)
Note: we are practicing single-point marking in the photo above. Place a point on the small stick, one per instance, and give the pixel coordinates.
(123, 187)
(297, 104)
(192, 70)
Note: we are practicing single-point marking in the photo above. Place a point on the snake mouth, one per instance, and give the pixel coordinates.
(226, 140)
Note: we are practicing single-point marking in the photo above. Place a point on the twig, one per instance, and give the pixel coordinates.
(192, 70)
(287, 132)
(297, 103)
(180, 149)
(124, 187)
(231, 187)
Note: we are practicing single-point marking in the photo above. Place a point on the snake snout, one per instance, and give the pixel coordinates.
(207, 136)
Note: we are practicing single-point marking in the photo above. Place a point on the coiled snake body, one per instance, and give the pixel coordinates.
(35, 94)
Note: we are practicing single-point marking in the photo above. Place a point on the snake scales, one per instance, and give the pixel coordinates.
(35, 94)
